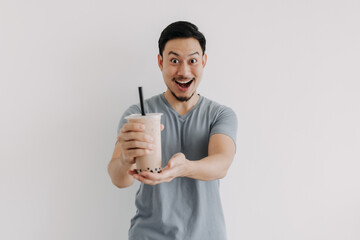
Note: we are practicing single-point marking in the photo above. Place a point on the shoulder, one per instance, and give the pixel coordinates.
(150, 104)
(224, 119)
(154, 99)
(135, 108)
(216, 109)
(154, 104)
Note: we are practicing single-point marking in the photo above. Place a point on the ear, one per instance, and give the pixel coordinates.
(204, 59)
(160, 61)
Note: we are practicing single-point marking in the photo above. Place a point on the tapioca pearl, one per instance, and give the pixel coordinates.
(151, 171)
(148, 168)
(155, 169)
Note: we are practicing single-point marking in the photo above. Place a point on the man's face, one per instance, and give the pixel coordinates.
(182, 66)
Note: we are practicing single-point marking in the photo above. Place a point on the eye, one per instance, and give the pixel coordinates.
(193, 60)
(174, 60)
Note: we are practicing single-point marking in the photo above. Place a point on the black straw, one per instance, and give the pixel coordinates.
(141, 101)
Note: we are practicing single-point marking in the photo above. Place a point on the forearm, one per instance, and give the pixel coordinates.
(215, 166)
(118, 172)
(209, 168)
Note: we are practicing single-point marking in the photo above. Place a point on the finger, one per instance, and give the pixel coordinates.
(132, 172)
(129, 136)
(151, 176)
(145, 180)
(162, 127)
(133, 127)
(175, 160)
(164, 176)
(138, 152)
(128, 161)
(137, 144)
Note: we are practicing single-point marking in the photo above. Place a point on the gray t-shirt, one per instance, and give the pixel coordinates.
(184, 208)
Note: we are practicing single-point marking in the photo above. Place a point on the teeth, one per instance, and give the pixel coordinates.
(184, 82)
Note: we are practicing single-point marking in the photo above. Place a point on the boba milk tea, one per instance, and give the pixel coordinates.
(151, 162)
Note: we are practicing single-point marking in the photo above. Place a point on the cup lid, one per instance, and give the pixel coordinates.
(148, 115)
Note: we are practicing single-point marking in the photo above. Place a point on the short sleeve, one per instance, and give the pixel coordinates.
(225, 122)
(131, 110)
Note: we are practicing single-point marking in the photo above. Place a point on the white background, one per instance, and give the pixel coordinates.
(289, 69)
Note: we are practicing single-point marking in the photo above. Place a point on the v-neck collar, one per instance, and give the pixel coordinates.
(177, 114)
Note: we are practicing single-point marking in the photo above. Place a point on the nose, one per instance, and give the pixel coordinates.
(184, 70)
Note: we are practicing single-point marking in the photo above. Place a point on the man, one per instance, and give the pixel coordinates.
(198, 146)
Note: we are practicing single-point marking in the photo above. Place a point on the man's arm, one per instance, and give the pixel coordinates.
(118, 169)
(132, 142)
(215, 166)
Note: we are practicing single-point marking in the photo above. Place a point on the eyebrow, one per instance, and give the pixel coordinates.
(176, 54)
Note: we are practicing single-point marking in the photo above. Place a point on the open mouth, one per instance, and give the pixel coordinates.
(184, 84)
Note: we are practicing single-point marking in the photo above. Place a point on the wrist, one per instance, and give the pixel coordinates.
(124, 164)
(189, 168)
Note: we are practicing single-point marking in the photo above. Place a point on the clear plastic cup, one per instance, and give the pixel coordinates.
(152, 161)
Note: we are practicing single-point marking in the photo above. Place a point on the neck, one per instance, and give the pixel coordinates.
(181, 107)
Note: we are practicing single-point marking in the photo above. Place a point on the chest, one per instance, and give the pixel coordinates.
(188, 135)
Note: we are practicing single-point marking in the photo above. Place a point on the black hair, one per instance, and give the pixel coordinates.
(181, 29)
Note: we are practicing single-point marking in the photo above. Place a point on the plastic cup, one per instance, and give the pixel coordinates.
(152, 161)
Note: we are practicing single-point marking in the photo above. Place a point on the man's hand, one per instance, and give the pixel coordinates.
(134, 142)
(177, 167)
(214, 166)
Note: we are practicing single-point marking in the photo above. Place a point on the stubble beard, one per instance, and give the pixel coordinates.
(182, 99)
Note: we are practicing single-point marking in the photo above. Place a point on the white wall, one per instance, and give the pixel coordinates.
(290, 70)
